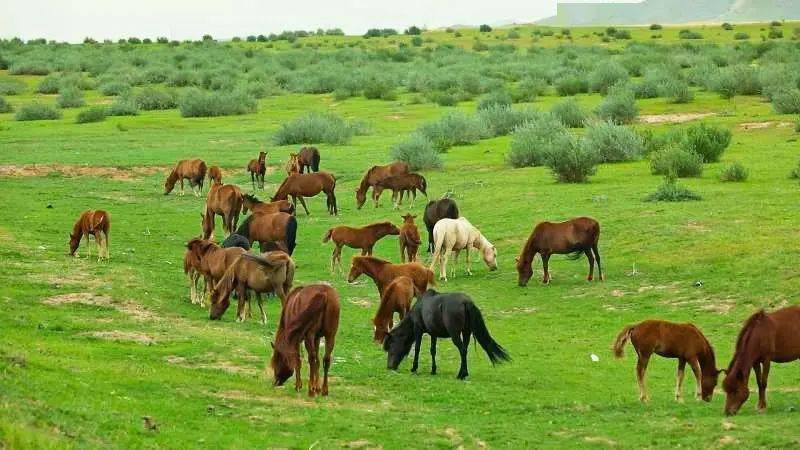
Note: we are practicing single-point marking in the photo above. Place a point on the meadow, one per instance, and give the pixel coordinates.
(87, 349)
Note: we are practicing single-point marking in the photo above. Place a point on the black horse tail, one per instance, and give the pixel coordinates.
(291, 234)
(315, 161)
(423, 185)
(495, 352)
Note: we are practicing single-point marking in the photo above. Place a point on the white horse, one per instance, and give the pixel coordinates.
(456, 235)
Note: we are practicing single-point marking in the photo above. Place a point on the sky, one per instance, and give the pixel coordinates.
(72, 20)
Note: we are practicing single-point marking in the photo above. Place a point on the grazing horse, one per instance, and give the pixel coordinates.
(204, 257)
(383, 272)
(193, 170)
(575, 236)
(258, 169)
(409, 239)
(374, 175)
(214, 175)
(399, 184)
(278, 228)
(452, 315)
(308, 157)
(456, 235)
(395, 298)
(683, 341)
(308, 185)
(270, 272)
(436, 210)
(224, 200)
(95, 223)
(363, 238)
(293, 164)
(250, 202)
(765, 338)
(309, 314)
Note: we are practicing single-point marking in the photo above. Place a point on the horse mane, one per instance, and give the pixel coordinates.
(744, 337)
(364, 185)
(385, 223)
(77, 229)
(226, 282)
(252, 198)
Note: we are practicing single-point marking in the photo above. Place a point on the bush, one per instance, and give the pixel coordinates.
(707, 141)
(786, 101)
(454, 128)
(689, 34)
(197, 103)
(528, 89)
(5, 107)
(50, 84)
(572, 162)
(10, 86)
(317, 127)
(774, 33)
(613, 143)
(114, 88)
(417, 41)
(123, 106)
(534, 140)
(500, 120)
(379, 88)
(669, 191)
(37, 111)
(93, 114)
(569, 112)
(676, 161)
(571, 85)
(655, 26)
(605, 76)
(795, 173)
(151, 98)
(734, 172)
(496, 98)
(619, 107)
(445, 98)
(479, 46)
(677, 91)
(418, 151)
(741, 36)
(70, 97)
(727, 26)
(485, 28)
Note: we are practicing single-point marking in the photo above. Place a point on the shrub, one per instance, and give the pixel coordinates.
(413, 30)
(619, 107)
(418, 151)
(197, 103)
(571, 85)
(495, 98)
(70, 97)
(37, 111)
(622, 34)
(445, 98)
(534, 140)
(689, 34)
(5, 107)
(151, 98)
(655, 26)
(500, 120)
(454, 128)
(786, 101)
(183, 78)
(613, 143)
(727, 26)
(775, 33)
(776, 23)
(317, 127)
(528, 89)
(734, 172)
(795, 173)
(485, 28)
(741, 36)
(123, 106)
(93, 114)
(10, 86)
(569, 112)
(417, 41)
(707, 141)
(479, 46)
(676, 161)
(605, 76)
(49, 84)
(572, 162)
(114, 88)
(670, 191)
(797, 126)
(677, 91)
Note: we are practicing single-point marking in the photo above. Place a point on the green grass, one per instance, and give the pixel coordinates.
(205, 382)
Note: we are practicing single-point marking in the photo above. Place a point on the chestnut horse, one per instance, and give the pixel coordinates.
(395, 298)
(264, 228)
(293, 164)
(374, 175)
(383, 272)
(250, 202)
(206, 258)
(95, 223)
(409, 239)
(683, 341)
(309, 314)
(225, 201)
(575, 236)
(436, 210)
(215, 175)
(193, 170)
(257, 169)
(308, 185)
(308, 158)
(399, 184)
(363, 238)
(765, 338)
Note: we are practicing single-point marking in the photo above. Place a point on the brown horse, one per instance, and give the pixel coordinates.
(206, 258)
(399, 184)
(683, 341)
(765, 338)
(309, 314)
(308, 185)
(395, 298)
(223, 200)
(308, 158)
(193, 170)
(575, 236)
(409, 239)
(257, 169)
(266, 229)
(293, 164)
(95, 223)
(270, 272)
(251, 203)
(215, 175)
(363, 238)
(383, 272)
(374, 175)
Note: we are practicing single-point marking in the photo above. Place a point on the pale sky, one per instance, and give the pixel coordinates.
(72, 20)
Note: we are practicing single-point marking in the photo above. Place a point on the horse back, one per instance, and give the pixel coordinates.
(669, 339)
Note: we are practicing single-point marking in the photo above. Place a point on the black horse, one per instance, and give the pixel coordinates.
(236, 240)
(435, 210)
(452, 315)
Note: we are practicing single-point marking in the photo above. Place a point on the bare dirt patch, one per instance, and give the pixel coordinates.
(673, 118)
(122, 336)
(129, 308)
(116, 173)
(362, 302)
(225, 366)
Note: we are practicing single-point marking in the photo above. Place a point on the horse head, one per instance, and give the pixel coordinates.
(281, 368)
(524, 270)
(398, 343)
(735, 386)
(488, 252)
(708, 382)
(74, 241)
(169, 184)
(355, 271)
(409, 218)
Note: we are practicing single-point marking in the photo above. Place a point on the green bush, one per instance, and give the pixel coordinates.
(613, 143)
(670, 191)
(198, 103)
(70, 97)
(741, 36)
(534, 140)
(795, 173)
(50, 84)
(123, 106)
(501, 120)
(93, 114)
(571, 84)
(418, 151)
(569, 112)
(676, 161)
(5, 107)
(655, 26)
(318, 127)
(10, 86)
(618, 107)
(786, 102)
(479, 46)
(676, 91)
(734, 172)
(775, 33)
(445, 98)
(572, 162)
(454, 128)
(379, 88)
(416, 41)
(495, 98)
(605, 76)
(689, 34)
(37, 111)
(727, 26)
(114, 88)
(528, 89)
(707, 141)
(151, 98)
(485, 28)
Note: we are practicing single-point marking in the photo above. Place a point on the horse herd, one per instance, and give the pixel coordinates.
(310, 313)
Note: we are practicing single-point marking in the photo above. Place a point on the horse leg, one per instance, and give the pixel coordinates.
(762, 373)
(641, 369)
(679, 380)
(402, 251)
(313, 365)
(469, 263)
(326, 362)
(591, 264)
(433, 352)
(462, 350)
(695, 365)
(545, 260)
(597, 257)
(298, 382)
(261, 308)
(443, 269)
(333, 258)
(417, 347)
(241, 292)
(303, 202)
(414, 197)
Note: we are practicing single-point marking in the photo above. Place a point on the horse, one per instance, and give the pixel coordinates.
(309, 314)
(395, 298)
(363, 238)
(308, 157)
(193, 276)
(224, 200)
(409, 239)
(193, 170)
(292, 164)
(258, 169)
(236, 240)
(206, 258)
(408, 182)
(683, 341)
(456, 235)
(214, 175)
(436, 210)
(308, 185)
(250, 202)
(383, 272)
(764, 338)
(270, 272)
(375, 174)
(452, 315)
(279, 228)
(95, 223)
(575, 236)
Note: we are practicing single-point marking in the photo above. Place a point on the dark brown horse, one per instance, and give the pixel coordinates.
(374, 175)
(395, 298)
(765, 338)
(258, 169)
(95, 223)
(308, 158)
(682, 341)
(250, 202)
(363, 238)
(436, 210)
(383, 272)
(308, 185)
(215, 175)
(206, 258)
(309, 314)
(409, 239)
(193, 170)
(575, 236)
(400, 184)
(279, 229)
(225, 201)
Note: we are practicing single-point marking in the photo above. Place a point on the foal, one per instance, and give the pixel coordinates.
(95, 223)
(671, 340)
(250, 202)
(374, 175)
(257, 169)
(409, 239)
(363, 238)
(215, 175)
(395, 298)
(193, 170)
(224, 200)
(383, 272)
(399, 184)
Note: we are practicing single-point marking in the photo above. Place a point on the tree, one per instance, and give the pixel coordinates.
(413, 30)
(485, 28)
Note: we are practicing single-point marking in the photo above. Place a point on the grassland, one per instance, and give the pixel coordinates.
(87, 349)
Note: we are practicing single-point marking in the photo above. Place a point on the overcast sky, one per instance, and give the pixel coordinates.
(72, 20)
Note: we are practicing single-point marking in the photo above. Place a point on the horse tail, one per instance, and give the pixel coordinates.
(315, 161)
(291, 234)
(300, 324)
(495, 352)
(327, 236)
(423, 185)
(431, 277)
(619, 343)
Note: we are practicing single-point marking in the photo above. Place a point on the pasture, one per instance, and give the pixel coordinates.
(88, 349)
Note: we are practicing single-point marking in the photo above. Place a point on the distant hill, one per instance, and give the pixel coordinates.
(673, 12)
